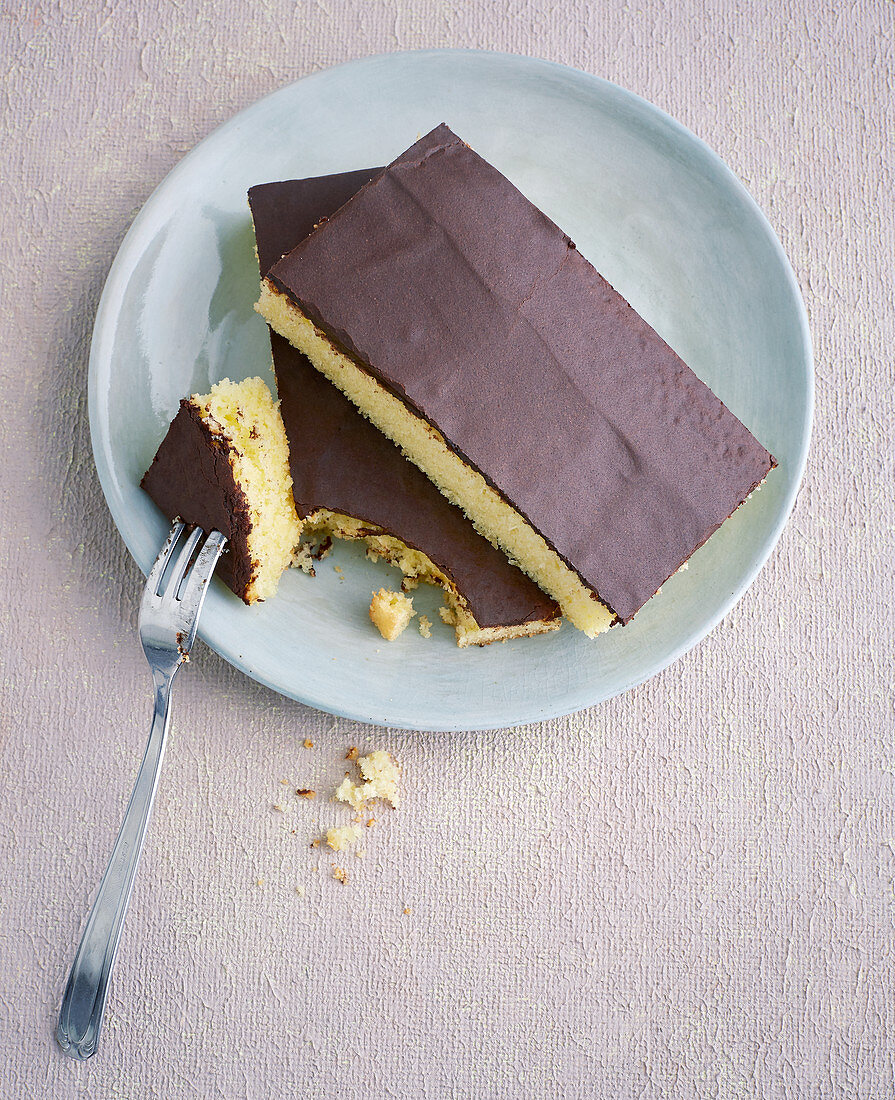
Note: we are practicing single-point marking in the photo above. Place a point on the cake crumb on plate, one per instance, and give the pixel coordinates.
(390, 612)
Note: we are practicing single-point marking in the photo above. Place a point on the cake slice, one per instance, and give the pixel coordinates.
(224, 465)
(349, 481)
(470, 330)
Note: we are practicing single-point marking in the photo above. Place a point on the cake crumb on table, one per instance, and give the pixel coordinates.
(390, 612)
(425, 626)
(342, 837)
(380, 776)
(309, 744)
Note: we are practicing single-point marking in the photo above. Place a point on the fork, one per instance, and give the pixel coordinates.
(169, 615)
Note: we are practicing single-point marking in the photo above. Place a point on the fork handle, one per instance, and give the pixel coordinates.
(81, 1015)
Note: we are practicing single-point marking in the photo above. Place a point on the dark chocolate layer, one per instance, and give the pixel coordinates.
(340, 462)
(457, 294)
(191, 477)
(285, 213)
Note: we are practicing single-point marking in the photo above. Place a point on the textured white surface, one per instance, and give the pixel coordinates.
(685, 892)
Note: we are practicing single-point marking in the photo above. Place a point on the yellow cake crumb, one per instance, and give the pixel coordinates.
(380, 775)
(352, 753)
(390, 612)
(342, 837)
(341, 874)
(309, 744)
(345, 791)
(425, 625)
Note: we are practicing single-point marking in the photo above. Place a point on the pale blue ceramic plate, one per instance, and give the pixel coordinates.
(649, 204)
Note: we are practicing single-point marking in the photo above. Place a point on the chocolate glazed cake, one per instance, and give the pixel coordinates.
(468, 328)
(352, 482)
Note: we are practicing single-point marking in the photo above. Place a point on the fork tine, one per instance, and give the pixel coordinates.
(206, 560)
(184, 557)
(195, 585)
(161, 562)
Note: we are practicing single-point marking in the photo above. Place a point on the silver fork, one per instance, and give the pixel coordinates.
(169, 617)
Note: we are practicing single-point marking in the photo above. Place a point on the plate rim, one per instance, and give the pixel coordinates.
(116, 282)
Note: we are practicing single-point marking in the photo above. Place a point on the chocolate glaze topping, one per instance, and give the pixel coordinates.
(340, 462)
(285, 213)
(459, 296)
(191, 477)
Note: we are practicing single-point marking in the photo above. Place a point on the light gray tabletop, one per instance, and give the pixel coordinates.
(688, 891)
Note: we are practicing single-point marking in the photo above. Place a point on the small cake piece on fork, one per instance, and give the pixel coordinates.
(224, 465)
